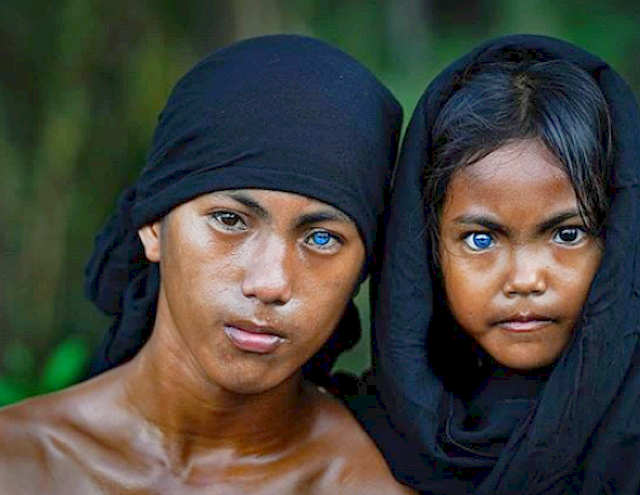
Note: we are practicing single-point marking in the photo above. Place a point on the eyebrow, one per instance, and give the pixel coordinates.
(490, 224)
(247, 201)
(330, 214)
(482, 221)
(557, 219)
(323, 216)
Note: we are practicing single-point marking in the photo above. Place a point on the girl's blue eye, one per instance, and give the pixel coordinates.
(478, 241)
(569, 235)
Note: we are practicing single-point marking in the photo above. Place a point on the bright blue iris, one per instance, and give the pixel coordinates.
(321, 238)
(481, 241)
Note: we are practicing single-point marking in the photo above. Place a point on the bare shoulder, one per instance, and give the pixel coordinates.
(39, 439)
(355, 465)
(25, 435)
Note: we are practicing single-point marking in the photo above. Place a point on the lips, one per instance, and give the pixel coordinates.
(257, 339)
(525, 323)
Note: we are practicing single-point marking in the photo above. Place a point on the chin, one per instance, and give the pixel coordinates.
(255, 385)
(525, 363)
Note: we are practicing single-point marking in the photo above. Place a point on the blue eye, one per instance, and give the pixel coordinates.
(569, 235)
(478, 241)
(322, 240)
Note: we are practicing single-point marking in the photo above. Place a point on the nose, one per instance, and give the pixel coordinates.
(527, 274)
(268, 275)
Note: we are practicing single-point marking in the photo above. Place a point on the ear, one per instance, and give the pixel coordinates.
(150, 238)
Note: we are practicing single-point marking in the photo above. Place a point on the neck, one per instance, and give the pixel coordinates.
(188, 414)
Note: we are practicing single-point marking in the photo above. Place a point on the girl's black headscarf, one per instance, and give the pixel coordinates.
(285, 112)
(582, 432)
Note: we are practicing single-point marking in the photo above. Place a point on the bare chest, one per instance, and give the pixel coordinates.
(58, 472)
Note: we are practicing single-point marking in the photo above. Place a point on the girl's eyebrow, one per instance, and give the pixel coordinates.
(490, 224)
(482, 221)
(557, 219)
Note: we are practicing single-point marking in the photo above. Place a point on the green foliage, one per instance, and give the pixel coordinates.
(10, 391)
(64, 365)
(82, 83)
(61, 368)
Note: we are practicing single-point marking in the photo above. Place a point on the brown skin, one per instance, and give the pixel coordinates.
(517, 260)
(215, 402)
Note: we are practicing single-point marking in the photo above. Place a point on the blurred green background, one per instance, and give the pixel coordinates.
(81, 85)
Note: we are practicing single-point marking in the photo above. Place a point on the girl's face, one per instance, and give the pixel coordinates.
(516, 258)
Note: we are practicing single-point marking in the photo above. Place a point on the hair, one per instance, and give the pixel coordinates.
(554, 101)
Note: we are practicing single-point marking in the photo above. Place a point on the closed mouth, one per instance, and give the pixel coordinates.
(253, 338)
(525, 323)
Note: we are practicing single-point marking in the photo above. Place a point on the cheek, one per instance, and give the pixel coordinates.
(464, 281)
(577, 267)
(325, 302)
(202, 273)
(471, 285)
(578, 277)
(463, 301)
(458, 295)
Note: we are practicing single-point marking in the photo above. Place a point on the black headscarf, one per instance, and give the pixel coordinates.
(285, 112)
(573, 428)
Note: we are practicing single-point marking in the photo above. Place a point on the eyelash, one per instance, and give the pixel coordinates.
(331, 244)
(469, 236)
(221, 216)
(580, 235)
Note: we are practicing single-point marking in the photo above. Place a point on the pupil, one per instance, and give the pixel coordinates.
(228, 219)
(568, 235)
(482, 240)
(321, 238)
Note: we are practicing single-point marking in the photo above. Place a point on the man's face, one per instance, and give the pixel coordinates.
(253, 282)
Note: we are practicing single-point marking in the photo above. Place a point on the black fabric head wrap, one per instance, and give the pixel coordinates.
(284, 112)
(587, 412)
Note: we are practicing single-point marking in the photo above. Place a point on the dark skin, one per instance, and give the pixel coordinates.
(211, 405)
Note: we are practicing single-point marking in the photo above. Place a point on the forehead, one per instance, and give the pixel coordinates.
(523, 177)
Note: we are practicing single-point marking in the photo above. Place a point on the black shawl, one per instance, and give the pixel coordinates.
(579, 428)
(283, 112)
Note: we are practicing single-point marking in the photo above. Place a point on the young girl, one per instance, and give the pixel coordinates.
(507, 314)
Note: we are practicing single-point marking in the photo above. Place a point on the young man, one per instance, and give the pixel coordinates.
(228, 265)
